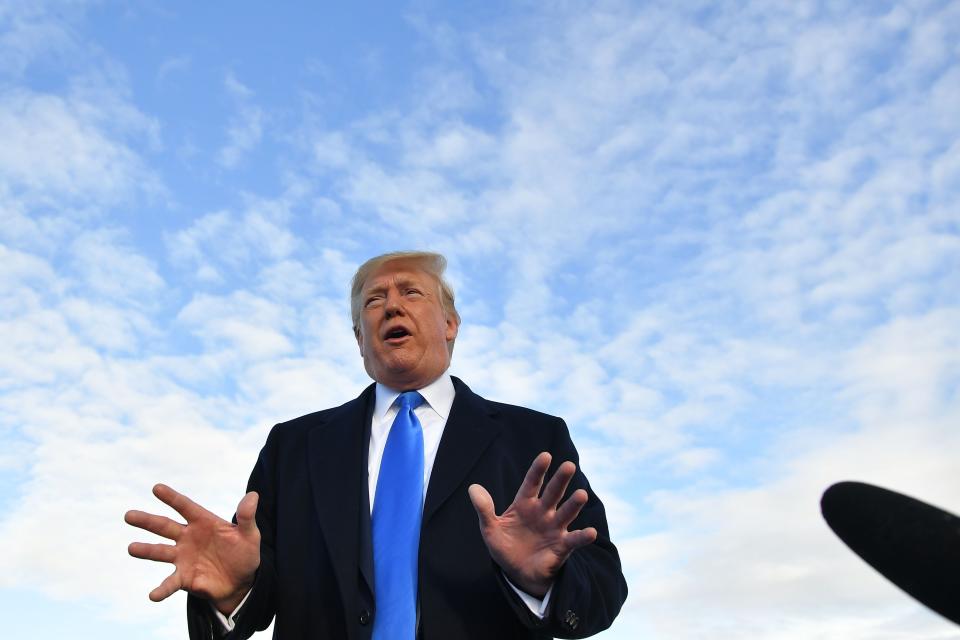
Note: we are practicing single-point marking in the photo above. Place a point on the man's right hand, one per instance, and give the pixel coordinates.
(212, 557)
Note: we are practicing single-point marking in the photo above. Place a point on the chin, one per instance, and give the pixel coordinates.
(394, 373)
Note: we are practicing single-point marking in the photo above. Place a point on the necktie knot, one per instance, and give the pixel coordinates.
(410, 400)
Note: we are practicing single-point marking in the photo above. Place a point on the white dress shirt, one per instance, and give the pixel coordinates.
(432, 414)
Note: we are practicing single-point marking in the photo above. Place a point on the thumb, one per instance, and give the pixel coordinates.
(483, 504)
(247, 513)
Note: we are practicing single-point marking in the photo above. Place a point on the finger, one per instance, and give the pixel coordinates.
(570, 509)
(160, 525)
(483, 504)
(247, 514)
(180, 503)
(580, 538)
(167, 588)
(155, 552)
(530, 488)
(558, 484)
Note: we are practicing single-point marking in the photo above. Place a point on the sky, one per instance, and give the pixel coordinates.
(721, 239)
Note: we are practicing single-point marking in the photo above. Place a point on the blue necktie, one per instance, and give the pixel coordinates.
(397, 509)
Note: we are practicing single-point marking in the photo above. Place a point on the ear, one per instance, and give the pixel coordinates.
(359, 337)
(453, 326)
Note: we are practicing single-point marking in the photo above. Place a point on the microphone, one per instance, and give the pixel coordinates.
(913, 544)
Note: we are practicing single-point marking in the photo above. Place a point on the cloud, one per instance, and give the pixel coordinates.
(25, 278)
(111, 270)
(31, 32)
(245, 129)
(171, 66)
(57, 147)
(235, 88)
(104, 327)
(243, 133)
(222, 242)
(246, 325)
(761, 555)
(84, 416)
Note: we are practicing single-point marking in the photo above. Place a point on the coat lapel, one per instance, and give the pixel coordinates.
(337, 455)
(470, 429)
(338, 474)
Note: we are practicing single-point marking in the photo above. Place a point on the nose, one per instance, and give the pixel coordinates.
(393, 304)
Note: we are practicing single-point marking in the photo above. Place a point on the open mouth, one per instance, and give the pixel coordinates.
(396, 334)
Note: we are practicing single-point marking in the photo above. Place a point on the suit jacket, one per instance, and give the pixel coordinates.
(316, 571)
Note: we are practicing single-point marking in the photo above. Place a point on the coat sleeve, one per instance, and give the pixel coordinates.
(590, 588)
(258, 611)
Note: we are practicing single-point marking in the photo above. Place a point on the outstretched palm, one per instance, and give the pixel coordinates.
(212, 557)
(530, 540)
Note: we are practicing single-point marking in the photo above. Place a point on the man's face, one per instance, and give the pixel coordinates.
(404, 330)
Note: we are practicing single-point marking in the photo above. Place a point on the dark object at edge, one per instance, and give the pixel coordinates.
(913, 544)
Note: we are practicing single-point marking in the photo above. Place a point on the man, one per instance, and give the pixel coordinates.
(362, 521)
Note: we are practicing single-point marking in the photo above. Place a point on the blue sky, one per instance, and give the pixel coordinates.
(721, 239)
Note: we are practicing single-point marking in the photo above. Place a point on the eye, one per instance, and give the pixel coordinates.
(372, 301)
(413, 291)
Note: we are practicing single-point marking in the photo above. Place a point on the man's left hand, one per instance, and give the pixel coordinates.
(530, 540)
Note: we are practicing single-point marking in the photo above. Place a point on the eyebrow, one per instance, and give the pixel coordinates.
(405, 281)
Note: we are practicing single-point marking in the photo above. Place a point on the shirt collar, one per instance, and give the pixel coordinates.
(438, 394)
